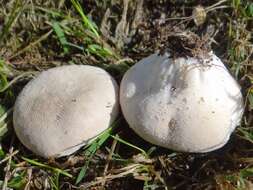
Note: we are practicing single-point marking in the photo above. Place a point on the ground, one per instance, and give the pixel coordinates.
(114, 34)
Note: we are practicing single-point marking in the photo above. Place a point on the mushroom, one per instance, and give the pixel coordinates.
(186, 104)
(64, 108)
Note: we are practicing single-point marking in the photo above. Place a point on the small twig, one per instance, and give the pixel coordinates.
(216, 4)
(128, 170)
(8, 157)
(127, 59)
(29, 172)
(215, 8)
(8, 167)
(179, 18)
(114, 143)
(207, 9)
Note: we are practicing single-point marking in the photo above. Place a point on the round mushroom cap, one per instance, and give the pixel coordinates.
(184, 104)
(64, 108)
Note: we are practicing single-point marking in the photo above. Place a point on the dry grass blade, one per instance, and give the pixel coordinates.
(60, 34)
(131, 169)
(23, 75)
(114, 143)
(7, 170)
(43, 37)
(15, 13)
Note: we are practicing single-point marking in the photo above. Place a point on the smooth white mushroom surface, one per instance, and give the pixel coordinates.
(64, 108)
(185, 104)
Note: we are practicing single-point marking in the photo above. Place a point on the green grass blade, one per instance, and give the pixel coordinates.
(2, 153)
(4, 114)
(54, 181)
(18, 182)
(3, 74)
(75, 46)
(151, 150)
(82, 173)
(99, 50)
(92, 148)
(3, 81)
(89, 153)
(130, 145)
(61, 36)
(57, 170)
(245, 173)
(3, 130)
(87, 23)
(249, 10)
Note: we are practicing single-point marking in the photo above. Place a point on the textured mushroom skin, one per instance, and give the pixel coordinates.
(186, 104)
(64, 108)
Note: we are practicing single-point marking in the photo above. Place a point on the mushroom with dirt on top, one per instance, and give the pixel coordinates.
(186, 104)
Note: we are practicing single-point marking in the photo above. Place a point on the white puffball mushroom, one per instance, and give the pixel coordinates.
(64, 108)
(185, 104)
